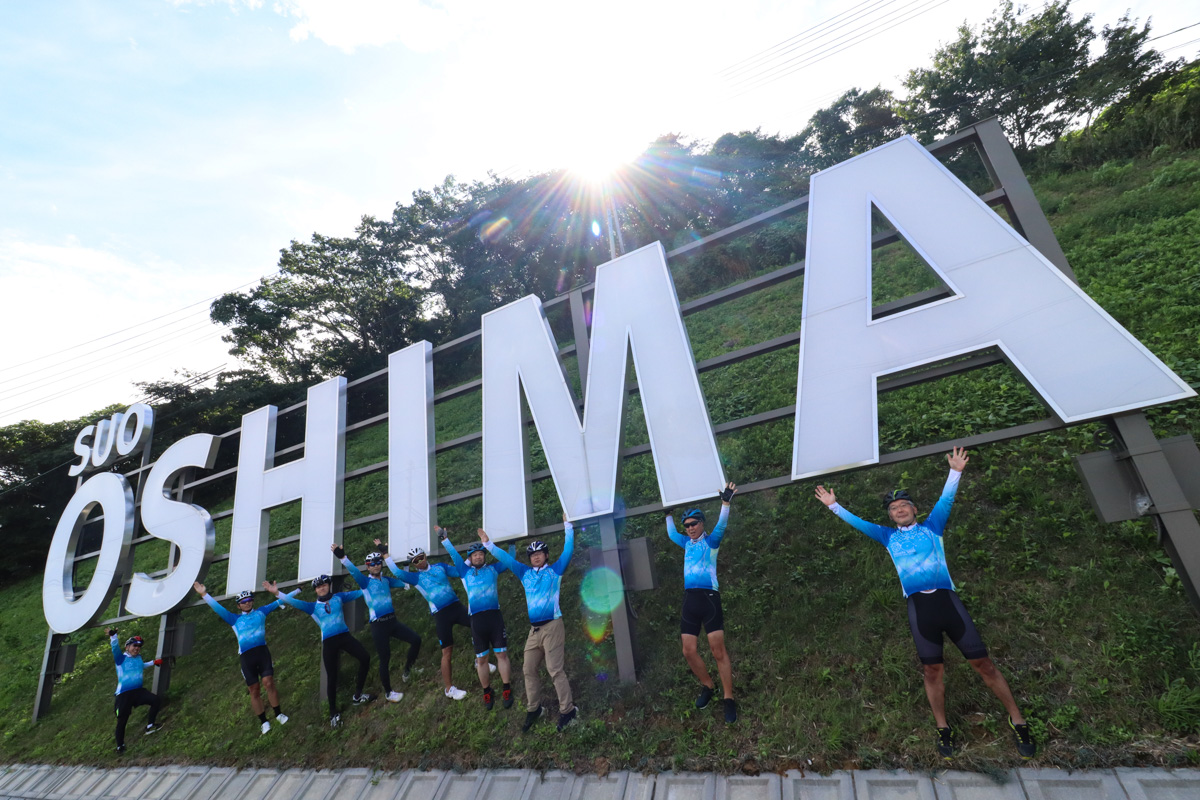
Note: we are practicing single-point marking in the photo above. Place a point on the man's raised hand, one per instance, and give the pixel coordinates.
(199, 587)
(271, 586)
(483, 537)
(383, 548)
(825, 496)
(728, 492)
(442, 533)
(958, 459)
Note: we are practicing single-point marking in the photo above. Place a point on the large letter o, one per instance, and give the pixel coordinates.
(63, 612)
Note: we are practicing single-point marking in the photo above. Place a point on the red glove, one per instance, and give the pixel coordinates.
(158, 662)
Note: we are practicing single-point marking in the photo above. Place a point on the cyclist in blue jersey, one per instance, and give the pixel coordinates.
(433, 582)
(488, 633)
(934, 608)
(250, 627)
(335, 638)
(377, 589)
(547, 635)
(130, 693)
(702, 600)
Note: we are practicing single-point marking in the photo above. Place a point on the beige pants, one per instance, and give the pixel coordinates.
(546, 643)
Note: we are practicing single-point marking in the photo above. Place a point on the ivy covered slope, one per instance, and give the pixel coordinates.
(1087, 621)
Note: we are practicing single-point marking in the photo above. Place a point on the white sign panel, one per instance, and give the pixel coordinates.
(315, 480)
(412, 485)
(189, 527)
(111, 492)
(1005, 294)
(635, 307)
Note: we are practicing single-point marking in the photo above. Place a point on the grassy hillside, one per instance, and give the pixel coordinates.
(1088, 621)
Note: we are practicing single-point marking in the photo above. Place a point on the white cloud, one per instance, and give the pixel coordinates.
(349, 24)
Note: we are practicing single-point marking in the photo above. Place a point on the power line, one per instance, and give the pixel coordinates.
(92, 366)
(98, 350)
(810, 59)
(69, 390)
(794, 41)
(131, 327)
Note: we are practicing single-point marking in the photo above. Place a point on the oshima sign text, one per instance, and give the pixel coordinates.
(1003, 294)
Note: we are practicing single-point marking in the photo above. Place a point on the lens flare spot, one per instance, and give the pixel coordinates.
(602, 590)
(595, 228)
(494, 230)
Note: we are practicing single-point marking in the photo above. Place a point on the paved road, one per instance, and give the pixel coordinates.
(202, 783)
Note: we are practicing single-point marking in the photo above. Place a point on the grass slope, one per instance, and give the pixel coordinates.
(1088, 621)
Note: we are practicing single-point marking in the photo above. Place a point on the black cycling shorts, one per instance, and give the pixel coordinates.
(701, 608)
(445, 620)
(256, 664)
(931, 615)
(488, 632)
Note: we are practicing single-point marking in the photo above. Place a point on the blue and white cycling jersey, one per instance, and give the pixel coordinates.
(700, 556)
(480, 583)
(326, 613)
(918, 550)
(378, 591)
(251, 627)
(129, 668)
(433, 583)
(541, 584)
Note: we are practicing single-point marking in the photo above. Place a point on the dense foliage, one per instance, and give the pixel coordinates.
(1089, 621)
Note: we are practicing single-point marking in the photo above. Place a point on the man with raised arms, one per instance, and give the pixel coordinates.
(934, 608)
(433, 582)
(250, 627)
(702, 600)
(377, 589)
(130, 693)
(488, 633)
(336, 638)
(547, 636)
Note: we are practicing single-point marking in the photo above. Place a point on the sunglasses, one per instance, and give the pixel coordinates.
(692, 524)
(374, 563)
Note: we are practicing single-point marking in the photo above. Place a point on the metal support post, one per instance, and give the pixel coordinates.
(1180, 530)
(52, 668)
(1028, 217)
(623, 630)
(168, 630)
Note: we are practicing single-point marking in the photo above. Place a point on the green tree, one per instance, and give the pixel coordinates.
(1023, 71)
(337, 304)
(854, 123)
(1123, 65)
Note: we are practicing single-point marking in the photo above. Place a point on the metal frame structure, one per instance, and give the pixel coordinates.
(1010, 191)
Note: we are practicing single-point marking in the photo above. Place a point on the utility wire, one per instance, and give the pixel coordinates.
(101, 349)
(132, 327)
(69, 390)
(790, 44)
(92, 366)
(809, 60)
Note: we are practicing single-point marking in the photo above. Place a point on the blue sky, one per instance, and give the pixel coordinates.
(154, 154)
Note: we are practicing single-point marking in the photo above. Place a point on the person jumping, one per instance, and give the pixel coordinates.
(488, 633)
(335, 638)
(934, 608)
(702, 600)
(250, 627)
(547, 635)
(130, 693)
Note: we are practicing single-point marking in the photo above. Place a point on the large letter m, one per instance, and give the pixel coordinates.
(634, 308)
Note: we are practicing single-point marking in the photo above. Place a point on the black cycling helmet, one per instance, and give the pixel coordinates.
(320, 579)
(537, 546)
(477, 547)
(894, 495)
(135, 640)
(695, 513)
(244, 596)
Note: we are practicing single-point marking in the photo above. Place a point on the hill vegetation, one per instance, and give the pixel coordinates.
(1088, 621)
